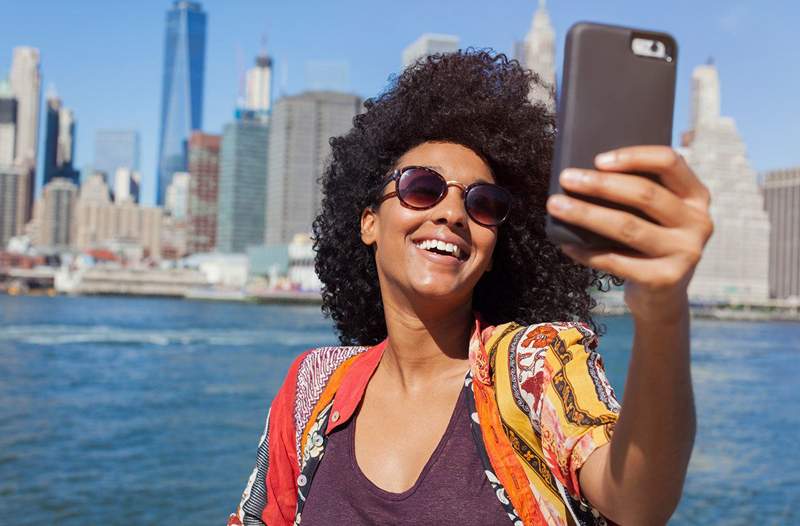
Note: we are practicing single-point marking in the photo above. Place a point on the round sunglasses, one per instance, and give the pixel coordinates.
(421, 188)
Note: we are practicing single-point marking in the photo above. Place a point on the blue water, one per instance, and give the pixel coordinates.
(141, 411)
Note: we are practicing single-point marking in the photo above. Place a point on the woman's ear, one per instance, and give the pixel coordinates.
(368, 218)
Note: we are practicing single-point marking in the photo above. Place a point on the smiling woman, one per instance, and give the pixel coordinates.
(470, 390)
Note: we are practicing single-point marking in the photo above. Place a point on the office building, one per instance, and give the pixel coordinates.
(100, 223)
(182, 89)
(8, 124)
(735, 264)
(54, 215)
(782, 203)
(25, 80)
(126, 185)
(242, 184)
(538, 54)
(59, 141)
(300, 129)
(258, 90)
(176, 202)
(203, 192)
(115, 149)
(10, 180)
(429, 44)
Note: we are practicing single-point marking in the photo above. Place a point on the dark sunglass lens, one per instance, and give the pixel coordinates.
(420, 188)
(488, 204)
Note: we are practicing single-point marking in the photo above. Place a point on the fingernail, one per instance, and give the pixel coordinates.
(571, 176)
(606, 158)
(560, 202)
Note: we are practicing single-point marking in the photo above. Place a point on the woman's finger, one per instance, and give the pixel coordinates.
(674, 173)
(660, 273)
(635, 232)
(631, 190)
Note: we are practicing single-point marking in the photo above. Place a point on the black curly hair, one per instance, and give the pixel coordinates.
(477, 99)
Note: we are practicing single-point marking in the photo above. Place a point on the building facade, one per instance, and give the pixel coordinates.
(538, 54)
(203, 192)
(127, 183)
(734, 267)
(25, 80)
(115, 149)
(10, 180)
(100, 223)
(59, 142)
(429, 44)
(242, 185)
(55, 215)
(182, 89)
(300, 129)
(258, 91)
(8, 124)
(782, 203)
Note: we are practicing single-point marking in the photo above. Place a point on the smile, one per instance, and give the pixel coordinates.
(439, 247)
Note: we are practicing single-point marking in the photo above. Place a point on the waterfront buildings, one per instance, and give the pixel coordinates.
(115, 149)
(176, 202)
(182, 89)
(11, 221)
(242, 185)
(25, 81)
(59, 146)
(54, 215)
(429, 44)
(538, 53)
(300, 129)
(734, 267)
(100, 223)
(782, 203)
(203, 192)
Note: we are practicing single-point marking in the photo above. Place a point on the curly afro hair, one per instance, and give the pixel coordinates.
(477, 99)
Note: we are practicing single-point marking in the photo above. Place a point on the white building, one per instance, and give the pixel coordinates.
(538, 54)
(429, 44)
(734, 267)
(258, 91)
(26, 84)
(782, 202)
(8, 124)
(301, 263)
(177, 199)
(126, 185)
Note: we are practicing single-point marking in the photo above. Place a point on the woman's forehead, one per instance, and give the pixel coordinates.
(453, 161)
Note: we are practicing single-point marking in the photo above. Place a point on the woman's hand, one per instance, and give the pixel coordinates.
(658, 275)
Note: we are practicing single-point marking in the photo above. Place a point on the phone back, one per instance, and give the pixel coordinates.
(610, 98)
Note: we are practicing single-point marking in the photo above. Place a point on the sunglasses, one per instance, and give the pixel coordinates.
(421, 188)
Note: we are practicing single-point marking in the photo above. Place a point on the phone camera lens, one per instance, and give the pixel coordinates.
(654, 47)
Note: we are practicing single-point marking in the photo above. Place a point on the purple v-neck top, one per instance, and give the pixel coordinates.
(452, 488)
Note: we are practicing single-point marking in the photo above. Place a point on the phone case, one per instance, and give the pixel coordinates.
(610, 98)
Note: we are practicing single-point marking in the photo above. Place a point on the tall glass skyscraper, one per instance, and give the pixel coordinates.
(182, 89)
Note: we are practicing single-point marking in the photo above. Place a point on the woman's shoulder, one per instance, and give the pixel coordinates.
(313, 369)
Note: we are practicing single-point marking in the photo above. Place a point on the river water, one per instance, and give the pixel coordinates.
(144, 411)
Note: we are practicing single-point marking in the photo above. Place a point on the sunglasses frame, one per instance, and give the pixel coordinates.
(398, 173)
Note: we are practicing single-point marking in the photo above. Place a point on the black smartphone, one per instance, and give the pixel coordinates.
(618, 90)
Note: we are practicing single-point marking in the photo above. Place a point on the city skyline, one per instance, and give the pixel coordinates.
(749, 45)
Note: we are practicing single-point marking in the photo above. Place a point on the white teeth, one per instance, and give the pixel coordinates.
(440, 245)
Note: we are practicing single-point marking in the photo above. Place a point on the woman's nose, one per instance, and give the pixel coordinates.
(451, 209)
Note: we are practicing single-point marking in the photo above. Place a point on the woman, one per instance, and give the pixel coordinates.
(470, 391)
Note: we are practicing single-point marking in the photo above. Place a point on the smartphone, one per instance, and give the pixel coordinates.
(618, 90)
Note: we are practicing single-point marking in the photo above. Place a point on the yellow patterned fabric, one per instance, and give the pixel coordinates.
(556, 407)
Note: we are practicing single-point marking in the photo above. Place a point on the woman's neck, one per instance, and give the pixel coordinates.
(425, 348)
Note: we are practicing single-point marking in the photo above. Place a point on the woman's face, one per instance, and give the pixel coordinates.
(405, 268)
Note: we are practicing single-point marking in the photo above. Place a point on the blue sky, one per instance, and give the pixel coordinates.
(105, 57)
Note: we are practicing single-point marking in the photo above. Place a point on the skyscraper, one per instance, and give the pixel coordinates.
(242, 183)
(538, 53)
(55, 214)
(782, 202)
(735, 263)
(10, 178)
(115, 149)
(8, 124)
(127, 183)
(300, 129)
(429, 44)
(258, 92)
(182, 89)
(59, 141)
(25, 82)
(203, 192)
